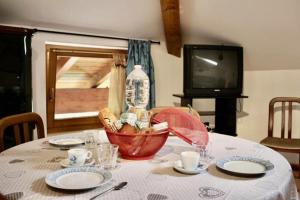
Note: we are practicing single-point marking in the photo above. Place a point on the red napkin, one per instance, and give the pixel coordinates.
(183, 124)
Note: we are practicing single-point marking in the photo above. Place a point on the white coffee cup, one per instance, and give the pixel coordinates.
(190, 160)
(77, 157)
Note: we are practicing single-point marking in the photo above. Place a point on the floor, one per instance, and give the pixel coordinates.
(297, 180)
(298, 186)
(297, 183)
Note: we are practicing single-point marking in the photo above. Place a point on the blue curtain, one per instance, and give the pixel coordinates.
(139, 54)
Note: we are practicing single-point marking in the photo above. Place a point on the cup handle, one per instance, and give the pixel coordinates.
(89, 155)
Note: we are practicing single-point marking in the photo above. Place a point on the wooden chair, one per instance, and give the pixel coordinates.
(2, 197)
(21, 121)
(286, 142)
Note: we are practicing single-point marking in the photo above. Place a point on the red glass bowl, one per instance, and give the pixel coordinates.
(138, 146)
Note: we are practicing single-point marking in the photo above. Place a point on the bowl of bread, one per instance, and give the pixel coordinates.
(138, 138)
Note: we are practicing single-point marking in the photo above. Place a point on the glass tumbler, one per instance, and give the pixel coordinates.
(89, 140)
(205, 151)
(107, 155)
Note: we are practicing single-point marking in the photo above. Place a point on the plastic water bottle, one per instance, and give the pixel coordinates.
(137, 88)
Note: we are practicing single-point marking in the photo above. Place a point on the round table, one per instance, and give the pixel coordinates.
(24, 168)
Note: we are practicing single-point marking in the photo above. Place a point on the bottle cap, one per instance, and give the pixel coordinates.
(138, 66)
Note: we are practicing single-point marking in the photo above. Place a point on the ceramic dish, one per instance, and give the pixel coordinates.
(65, 163)
(78, 178)
(244, 166)
(68, 141)
(178, 167)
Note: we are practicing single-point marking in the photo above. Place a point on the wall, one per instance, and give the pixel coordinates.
(168, 68)
(260, 86)
(168, 72)
(39, 41)
(169, 81)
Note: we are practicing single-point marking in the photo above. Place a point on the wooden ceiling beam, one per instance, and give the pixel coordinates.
(171, 21)
(70, 62)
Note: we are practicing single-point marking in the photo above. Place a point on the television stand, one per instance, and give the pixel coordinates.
(225, 111)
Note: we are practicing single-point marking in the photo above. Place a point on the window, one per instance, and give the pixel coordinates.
(78, 81)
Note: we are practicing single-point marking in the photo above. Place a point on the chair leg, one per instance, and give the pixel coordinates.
(299, 168)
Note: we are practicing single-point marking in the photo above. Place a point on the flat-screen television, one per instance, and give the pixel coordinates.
(213, 70)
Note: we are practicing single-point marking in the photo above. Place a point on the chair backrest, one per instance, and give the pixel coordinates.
(21, 121)
(2, 197)
(283, 101)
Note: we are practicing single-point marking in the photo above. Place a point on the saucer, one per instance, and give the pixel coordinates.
(178, 167)
(65, 163)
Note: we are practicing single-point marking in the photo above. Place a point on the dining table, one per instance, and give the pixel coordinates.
(24, 168)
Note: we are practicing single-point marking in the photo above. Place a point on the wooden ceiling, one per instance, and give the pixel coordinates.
(171, 21)
(83, 72)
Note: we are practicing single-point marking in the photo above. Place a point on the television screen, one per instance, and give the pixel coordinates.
(213, 70)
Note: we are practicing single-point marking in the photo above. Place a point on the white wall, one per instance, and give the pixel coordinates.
(168, 72)
(39, 62)
(169, 81)
(168, 68)
(260, 86)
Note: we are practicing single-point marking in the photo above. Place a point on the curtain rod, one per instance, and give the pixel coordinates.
(86, 35)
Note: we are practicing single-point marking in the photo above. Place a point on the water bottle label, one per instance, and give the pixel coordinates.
(137, 89)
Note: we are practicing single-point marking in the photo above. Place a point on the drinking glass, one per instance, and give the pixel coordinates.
(107, 155)
(89, 140)
(205, 151)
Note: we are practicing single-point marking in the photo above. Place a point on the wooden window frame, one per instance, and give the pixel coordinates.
(52, 52)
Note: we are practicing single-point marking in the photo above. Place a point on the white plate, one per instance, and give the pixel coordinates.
(68, 141)
(79, 178)
(178, 166)
(65, 163)
(244, 166)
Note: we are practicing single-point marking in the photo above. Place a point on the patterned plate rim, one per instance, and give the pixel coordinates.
(267, 164)
(50, 179)
(52, 141)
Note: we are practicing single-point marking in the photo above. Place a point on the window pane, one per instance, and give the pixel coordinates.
(82, 85)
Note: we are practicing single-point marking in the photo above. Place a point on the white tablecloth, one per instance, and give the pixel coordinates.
(24, 167)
